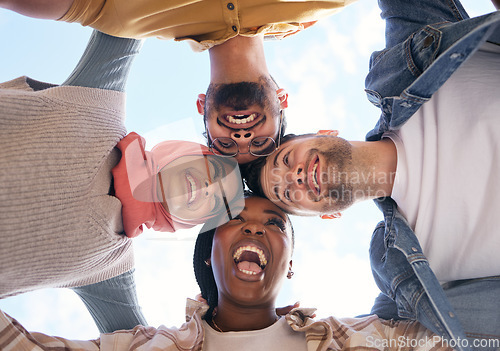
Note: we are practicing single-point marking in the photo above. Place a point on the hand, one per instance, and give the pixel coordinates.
(281, 311)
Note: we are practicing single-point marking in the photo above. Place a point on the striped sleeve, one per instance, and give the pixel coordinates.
(13, 337)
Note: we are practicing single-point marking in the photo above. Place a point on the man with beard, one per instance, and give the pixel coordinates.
(431, 163)
(245, 118)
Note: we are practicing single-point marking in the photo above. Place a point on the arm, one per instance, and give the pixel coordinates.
(106, 62)
(113, 303)
(45, 9)
(13, 336)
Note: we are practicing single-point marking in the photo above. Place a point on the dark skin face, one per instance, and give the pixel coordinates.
(251, 255)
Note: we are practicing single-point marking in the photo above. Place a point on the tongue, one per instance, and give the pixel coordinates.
(249, 266)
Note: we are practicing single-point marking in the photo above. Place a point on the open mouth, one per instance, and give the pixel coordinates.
(250, 259)
(241, 119)
(313, 175)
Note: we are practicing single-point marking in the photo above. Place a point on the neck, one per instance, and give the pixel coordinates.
(238, 318)
(238, 59)
(375, 168)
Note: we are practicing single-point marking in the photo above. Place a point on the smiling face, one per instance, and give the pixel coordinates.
(242, 111)
(308, 175)
(192, 187)
(251, 254)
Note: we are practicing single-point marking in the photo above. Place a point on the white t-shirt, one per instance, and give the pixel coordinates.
(447, 183)
(279, 336)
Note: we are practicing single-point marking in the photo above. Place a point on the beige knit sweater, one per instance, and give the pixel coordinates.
(58, 225)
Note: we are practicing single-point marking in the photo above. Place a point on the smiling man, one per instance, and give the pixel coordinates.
(431, 162)
(243, 107)
(322, 174)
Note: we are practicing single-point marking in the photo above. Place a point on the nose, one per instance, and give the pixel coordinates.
(253, 228)
(208, 189)
(297, 175)
(242, 135)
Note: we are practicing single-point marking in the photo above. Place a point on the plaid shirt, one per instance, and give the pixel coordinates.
(369, 333)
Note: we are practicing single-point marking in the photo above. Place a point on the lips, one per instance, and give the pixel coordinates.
(240, 119)
(250, 259)
(312, 175)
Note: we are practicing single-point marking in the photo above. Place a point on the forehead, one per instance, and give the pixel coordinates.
(258, 206)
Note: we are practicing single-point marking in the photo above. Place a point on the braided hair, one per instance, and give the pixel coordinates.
(203, 271)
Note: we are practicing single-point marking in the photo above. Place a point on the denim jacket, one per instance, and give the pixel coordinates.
(426, 42)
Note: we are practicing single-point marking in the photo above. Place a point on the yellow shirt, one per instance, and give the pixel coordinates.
(204, 22)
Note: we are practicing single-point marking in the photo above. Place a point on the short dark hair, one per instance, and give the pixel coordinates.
(203, 272)
(251, 171)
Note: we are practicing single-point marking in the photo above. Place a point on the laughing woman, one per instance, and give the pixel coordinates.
(240, 267)
(75, 188)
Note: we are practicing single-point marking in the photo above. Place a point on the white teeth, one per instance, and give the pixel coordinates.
(314, 177)
(240, 120)
(192, 186)
(240, 250)
(248, 272)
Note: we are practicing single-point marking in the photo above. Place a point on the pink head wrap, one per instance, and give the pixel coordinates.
(135, 183)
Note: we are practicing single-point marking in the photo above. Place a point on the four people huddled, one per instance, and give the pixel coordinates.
(76, 188)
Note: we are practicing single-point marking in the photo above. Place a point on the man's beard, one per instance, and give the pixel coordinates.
(337, 177)
(240, 96)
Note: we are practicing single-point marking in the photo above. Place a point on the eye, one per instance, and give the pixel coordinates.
(218, 170)
(285, 159)
(278, 222)
(286, 194)
(225, 144)
(238, 218)
(259, 142)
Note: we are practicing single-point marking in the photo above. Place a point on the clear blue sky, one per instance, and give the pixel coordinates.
(323, 70)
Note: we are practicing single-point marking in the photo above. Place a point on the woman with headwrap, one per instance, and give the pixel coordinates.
(74, 187)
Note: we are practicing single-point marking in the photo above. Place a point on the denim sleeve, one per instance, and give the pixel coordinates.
(113, 303)
(404, 17)
(106, 62)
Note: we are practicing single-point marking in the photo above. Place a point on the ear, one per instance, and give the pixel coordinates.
(328, 132)
(290, 272)
(200, 104)
(331, 216)
(282, 97)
